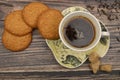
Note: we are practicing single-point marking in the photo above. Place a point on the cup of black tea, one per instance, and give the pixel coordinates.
(80, 31)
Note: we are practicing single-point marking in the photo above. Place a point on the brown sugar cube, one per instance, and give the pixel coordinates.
(106, 67)
(93, 57)
(95, 66)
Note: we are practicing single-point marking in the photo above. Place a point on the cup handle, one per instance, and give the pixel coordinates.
(103, 34)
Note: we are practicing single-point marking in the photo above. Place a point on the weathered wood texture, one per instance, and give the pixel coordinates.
(37, 60)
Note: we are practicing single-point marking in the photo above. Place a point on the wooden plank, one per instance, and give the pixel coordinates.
(39, 58)
(7, 6)
(63, 76)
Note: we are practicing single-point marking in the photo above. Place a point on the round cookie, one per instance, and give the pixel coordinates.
(16, 43)
(32, 11)
(48, 24)
(16, 25)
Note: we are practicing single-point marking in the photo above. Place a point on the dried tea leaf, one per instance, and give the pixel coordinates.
(112, 17)
(90, 7)
(103, 11)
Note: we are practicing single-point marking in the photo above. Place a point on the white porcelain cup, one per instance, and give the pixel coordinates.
(95, 22)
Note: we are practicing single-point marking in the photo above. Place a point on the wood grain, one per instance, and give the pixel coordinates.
(37, 61)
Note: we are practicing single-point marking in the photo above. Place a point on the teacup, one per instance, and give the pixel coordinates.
(80, 31)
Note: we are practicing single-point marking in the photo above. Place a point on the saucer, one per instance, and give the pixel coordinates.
(73, 59)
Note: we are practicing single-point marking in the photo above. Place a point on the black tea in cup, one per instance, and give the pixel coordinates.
(79, 32)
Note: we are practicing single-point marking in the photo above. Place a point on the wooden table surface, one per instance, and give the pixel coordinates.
(38, 62)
